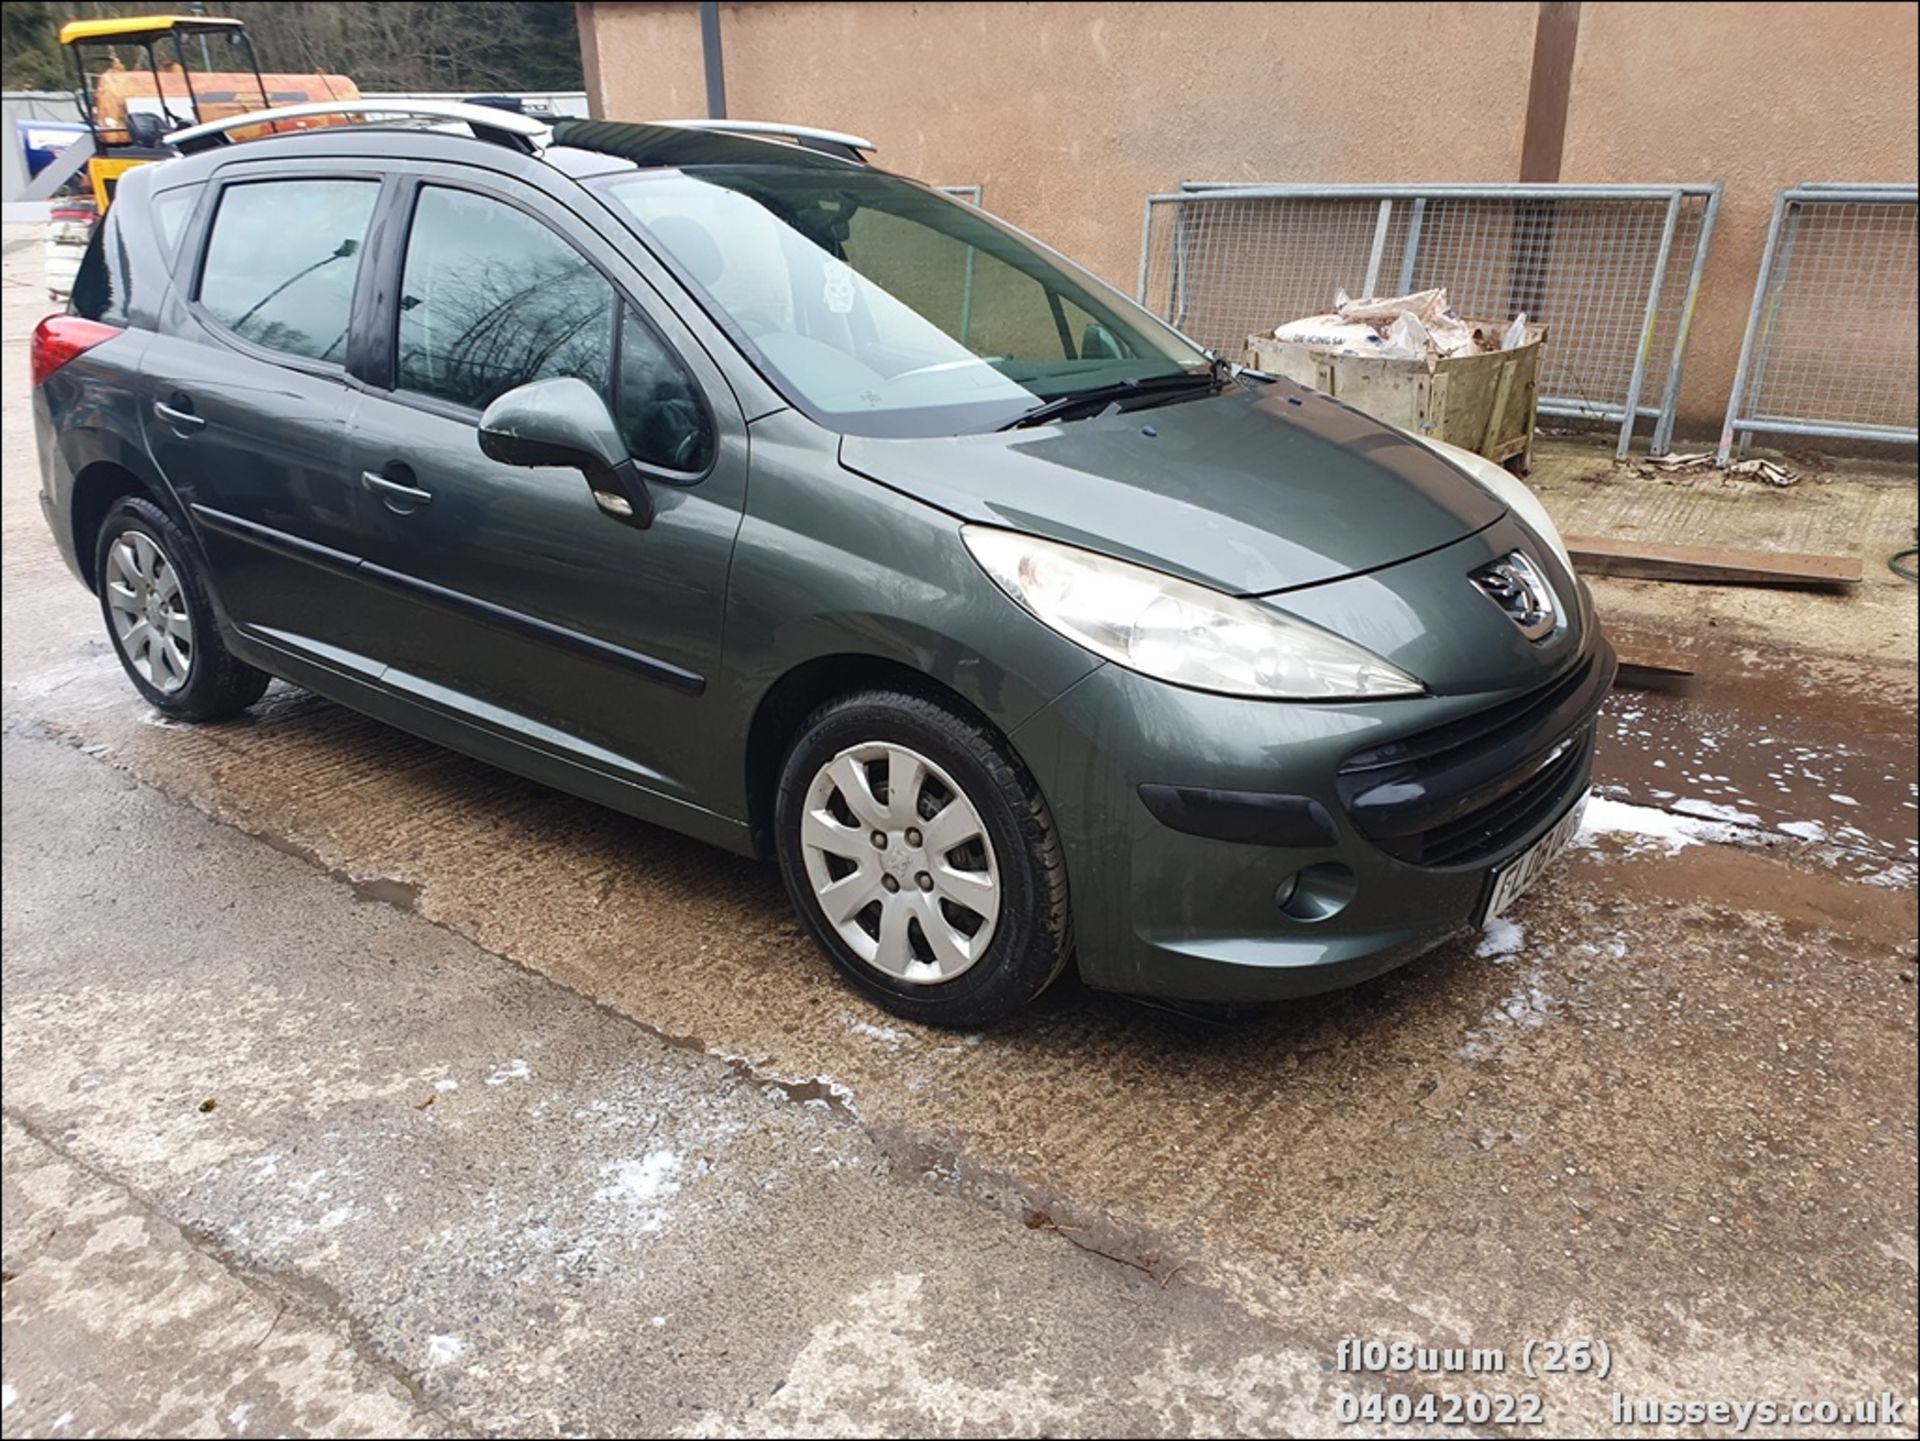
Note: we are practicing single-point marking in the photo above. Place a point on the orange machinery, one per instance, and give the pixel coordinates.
(129, 109)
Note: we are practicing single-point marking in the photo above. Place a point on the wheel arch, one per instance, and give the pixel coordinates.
(785, 706)
(95, 490)
(108, 470)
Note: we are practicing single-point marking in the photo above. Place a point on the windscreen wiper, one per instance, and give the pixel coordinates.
(1115, 394)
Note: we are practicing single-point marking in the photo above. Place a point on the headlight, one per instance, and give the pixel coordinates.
(1176, 631)
(1509, 490)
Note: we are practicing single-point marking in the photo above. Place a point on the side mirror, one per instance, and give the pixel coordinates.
(564, 421)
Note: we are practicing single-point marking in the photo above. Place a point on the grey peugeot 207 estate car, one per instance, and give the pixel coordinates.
(755, 492)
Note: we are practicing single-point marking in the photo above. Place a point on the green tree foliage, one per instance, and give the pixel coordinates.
(465, 45)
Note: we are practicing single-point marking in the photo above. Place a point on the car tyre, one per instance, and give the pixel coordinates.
(960, 918)
(160, 620)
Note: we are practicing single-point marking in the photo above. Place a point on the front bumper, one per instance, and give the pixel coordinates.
(1162, 912)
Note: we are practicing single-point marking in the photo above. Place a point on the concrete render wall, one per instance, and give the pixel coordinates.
(1070, 113)
(1758, 96)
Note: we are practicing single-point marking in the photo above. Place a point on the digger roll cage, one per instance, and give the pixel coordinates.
(150, 33)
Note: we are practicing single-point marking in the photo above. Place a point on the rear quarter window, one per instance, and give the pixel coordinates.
(100, 285)
(171, 211)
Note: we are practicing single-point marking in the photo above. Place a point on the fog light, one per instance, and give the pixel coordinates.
(1318, 892)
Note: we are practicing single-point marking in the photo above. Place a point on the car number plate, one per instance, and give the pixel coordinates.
(1514, 879)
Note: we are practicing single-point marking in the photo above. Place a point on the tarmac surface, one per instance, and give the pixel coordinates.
(354, 1087)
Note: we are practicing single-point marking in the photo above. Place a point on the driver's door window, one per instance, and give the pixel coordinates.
(490, 299)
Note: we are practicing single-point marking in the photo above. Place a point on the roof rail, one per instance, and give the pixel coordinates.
(488, 122)
(833, 142)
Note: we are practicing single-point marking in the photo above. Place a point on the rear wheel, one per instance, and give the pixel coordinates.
(923, 859)
(160, 620)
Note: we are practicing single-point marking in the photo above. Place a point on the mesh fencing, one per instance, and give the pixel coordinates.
(1224, 263)
(1829, 349)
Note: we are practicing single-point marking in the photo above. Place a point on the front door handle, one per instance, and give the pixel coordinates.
(178, 419)
(394, 492)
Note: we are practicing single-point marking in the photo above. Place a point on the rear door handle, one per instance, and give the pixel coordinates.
(178, 419)
(393, 490)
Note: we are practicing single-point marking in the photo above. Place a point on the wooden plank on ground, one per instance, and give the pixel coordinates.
(1650, 656)
(1709, 564)
(1653, 660)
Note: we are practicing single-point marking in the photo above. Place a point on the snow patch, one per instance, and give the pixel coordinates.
(1648, 828)
(514, 1070)
(886, 1035)
(1525, 1005)
(1714, 811)
(1502, 938)
(1804, 830)
(652, 1177)
(1899, 877)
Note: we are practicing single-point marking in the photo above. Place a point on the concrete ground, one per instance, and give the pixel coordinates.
(1864, 509)
(351, 1086)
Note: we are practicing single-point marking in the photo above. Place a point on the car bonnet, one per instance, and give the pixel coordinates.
(1246, 492)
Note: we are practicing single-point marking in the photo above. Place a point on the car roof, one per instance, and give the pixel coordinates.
(574, 146)
(512, 143)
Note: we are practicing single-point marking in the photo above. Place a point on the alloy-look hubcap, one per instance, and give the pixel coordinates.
(149, 612)
(900, 863)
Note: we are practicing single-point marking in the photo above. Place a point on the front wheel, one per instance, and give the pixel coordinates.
(161, 621)
(923, 859)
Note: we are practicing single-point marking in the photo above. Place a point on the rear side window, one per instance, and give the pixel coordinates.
(282, 261)
(490, 298)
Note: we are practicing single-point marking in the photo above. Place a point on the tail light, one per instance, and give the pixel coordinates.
(59, 338)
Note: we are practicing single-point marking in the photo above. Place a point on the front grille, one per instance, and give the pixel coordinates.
(1487, 832)
(1463, 792)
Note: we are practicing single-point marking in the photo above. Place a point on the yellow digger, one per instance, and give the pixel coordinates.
(130, 108)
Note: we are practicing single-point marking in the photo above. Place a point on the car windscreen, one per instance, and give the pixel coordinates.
(881, 307)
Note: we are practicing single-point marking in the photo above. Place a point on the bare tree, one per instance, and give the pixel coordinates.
(472, 45)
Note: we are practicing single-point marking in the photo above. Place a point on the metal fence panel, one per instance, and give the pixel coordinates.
(1612, 271)
(1829, 349)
